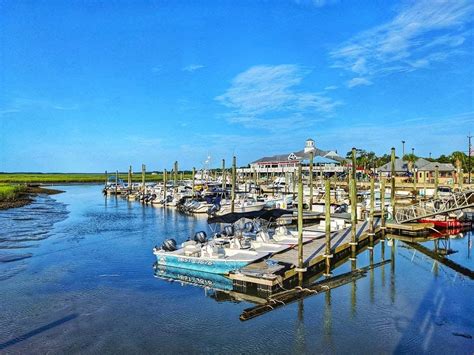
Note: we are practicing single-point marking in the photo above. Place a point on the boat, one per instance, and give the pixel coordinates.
(207, 256)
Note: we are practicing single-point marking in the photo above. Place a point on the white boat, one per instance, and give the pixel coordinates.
(240, 206)
(212, 256)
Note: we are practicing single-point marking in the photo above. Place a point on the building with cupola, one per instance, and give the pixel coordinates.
(327, 161)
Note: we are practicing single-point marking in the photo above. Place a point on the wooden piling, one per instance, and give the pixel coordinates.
(382, 202)
(232, 196)
(461, 179)
(164, 184)
(223, 175)
(194, 180)
(116, 182)
(106, 179)
(130, 179)
(143, 177)
(371, 212)
(353, 157)
(311, 161)
(436, 182)
(392, 181)
(300, 268)
(327, 207)
(175, 176)
(353, 198)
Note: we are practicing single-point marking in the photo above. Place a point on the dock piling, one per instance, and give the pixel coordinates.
(328, 254)
(234, 170)
(392, 181)
(311, 160)
(371, 212)
(300, 268)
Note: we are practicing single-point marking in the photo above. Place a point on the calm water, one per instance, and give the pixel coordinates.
(76, 275)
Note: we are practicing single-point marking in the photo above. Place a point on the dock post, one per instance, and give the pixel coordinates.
(415, 177)
(130, 178)
(300, 269)
(293, 182)
(353, 197)
(461, 179)
(424, 185)
(371, 212)
(392, 181)
(143, 177)
(232, 193)
(175, 177)
(353, 157)
(311, 160)
(327, 207)
(116, 182)
(436, 182)
(382, 203)
(223, 175)
(194, 177)
(106, 179)
(164, 185)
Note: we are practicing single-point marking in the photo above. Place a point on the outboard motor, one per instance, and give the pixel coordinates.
(200, 237)
(341, 209)
(229, 230)
(169, 245)
(248, 227)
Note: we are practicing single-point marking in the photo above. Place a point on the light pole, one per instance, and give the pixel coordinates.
(403, 149)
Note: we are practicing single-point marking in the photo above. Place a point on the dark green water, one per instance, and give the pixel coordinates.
(76, 276)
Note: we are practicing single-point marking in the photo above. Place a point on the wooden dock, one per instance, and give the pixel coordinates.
(273, 272)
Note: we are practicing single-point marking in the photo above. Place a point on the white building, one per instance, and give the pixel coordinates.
(328, 162)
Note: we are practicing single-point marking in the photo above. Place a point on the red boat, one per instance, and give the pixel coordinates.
(447, 223)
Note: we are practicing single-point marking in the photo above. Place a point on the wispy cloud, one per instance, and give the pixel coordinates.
(267, 97)
(421, 33)
(21, 104)
(267, 89)
(316, 3)
(192, 67)
(358, 82)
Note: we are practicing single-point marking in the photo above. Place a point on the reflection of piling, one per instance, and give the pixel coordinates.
(234, 170)
(328, 254)
(300, 268)
(311, 160)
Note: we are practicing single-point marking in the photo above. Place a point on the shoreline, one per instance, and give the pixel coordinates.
(26, 197)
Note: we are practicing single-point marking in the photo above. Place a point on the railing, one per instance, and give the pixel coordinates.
(453, 202)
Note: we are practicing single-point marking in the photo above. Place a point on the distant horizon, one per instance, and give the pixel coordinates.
(95, 86)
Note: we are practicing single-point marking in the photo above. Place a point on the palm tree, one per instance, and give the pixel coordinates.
(458, 159)
(411, 160)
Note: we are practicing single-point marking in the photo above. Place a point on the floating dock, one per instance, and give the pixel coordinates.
(269, 275)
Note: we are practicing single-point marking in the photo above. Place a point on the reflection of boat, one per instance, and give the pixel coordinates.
(193, 277)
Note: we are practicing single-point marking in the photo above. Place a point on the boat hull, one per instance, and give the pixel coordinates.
(213, 266)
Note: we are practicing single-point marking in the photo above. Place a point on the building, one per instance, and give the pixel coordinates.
(328, 162)
(424, 170)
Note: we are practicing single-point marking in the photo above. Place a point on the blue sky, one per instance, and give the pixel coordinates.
(96, 85)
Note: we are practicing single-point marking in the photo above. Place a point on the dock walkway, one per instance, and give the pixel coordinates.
(281, 266)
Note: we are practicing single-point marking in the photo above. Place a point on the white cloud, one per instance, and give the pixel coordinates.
(266, 89)
(192, 67)
(268, 97)
(331, 87)
(358, 82)
(421, 33)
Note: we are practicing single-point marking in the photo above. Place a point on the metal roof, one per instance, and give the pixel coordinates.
(421, 165)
